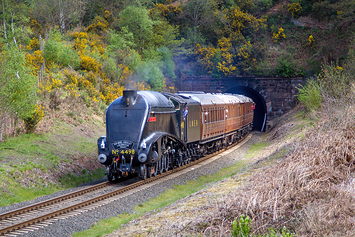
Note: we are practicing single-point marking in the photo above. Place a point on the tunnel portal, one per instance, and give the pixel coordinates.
(260, 112)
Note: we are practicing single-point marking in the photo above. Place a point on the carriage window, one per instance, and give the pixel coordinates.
(205, 116)
(175, 103)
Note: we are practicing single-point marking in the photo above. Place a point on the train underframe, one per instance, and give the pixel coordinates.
(174, 154)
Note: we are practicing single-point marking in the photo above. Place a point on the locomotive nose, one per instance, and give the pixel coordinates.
(129, 97)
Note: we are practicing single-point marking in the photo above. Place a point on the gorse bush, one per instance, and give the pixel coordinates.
(310, 95)
(295, 9)
(34, 118)
(336, 83)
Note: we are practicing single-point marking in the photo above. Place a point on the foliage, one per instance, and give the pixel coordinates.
(57, 52)
(311, 41)
(33, 45)
(17, 84)
(295, 9)
(151, 73)
(15, 19)
(88, 63)
(96, 53)
(226, 66)
(265, 3)
(335, 82)
(65, 13)
(35, 61)
(310, 95)
(206, 54)
(137, 21)
(169, 12)
(241, 227)
(33, 118)
(284, 233)
(286, 68)
(168, 65)
(277, 36)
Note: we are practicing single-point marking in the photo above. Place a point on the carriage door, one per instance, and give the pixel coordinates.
(184, 122)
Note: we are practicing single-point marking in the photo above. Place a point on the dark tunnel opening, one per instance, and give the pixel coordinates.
(260, 111)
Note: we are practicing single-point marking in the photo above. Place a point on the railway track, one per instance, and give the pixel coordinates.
(41, 214)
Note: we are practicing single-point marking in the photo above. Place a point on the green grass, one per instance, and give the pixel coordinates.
(69, 180)
(17, 193)
(255, 149)
(169, 196)
(20, 155)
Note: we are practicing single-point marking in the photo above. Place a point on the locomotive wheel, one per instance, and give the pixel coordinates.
(110, 175)
(160, 166)
(152, 170)
(156, 168)
(178, 163)
(143, 170)
(149, 171)
(166, 163)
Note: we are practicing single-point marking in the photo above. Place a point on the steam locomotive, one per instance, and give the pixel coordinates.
(148, 132)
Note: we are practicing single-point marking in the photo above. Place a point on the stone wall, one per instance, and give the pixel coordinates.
(278, 93)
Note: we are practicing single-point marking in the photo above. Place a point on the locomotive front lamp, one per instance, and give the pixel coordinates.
(102, 158)
(103, 144)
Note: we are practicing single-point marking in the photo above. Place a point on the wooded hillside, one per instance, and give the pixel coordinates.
(89, 51)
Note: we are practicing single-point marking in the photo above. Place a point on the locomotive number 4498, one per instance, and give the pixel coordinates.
(123, 152)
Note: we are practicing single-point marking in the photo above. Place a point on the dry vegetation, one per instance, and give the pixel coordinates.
(311, 190)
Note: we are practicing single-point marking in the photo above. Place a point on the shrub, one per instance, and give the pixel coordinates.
(265, 4)
(89, 64)
(34, 118)
(151, 73)
(241, 227)
(336, 82)
(295, 9)
(279, 35)
(310, 95)
(285, 68)
(56, 51)
(311, 41)
(33, 45)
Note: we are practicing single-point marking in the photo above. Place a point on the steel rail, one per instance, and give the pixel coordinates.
(65, 210)
(51, 201)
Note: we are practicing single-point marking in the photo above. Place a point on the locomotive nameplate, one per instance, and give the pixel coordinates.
(122, 145)
(123, 152)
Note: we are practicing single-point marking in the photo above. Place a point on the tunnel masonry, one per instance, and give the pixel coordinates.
(278, 92)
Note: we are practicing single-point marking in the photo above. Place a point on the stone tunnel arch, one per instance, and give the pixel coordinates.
(260, 112)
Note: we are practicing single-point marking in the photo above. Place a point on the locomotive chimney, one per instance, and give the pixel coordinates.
(129, 97)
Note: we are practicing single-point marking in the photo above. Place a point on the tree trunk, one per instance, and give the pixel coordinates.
(61, 17)
(1, 122)
(3, 10)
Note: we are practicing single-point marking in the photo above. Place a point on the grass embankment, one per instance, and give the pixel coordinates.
(33, 165)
